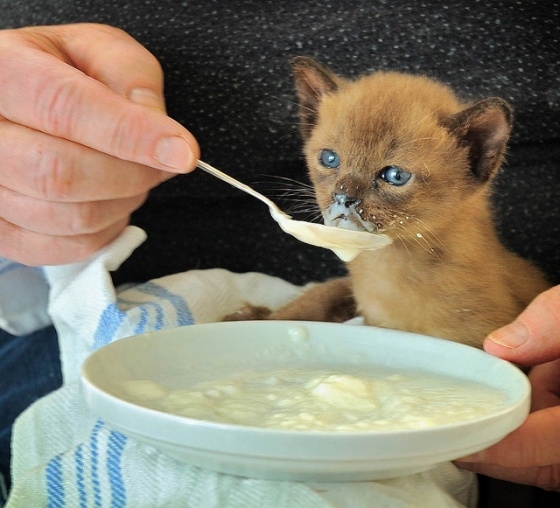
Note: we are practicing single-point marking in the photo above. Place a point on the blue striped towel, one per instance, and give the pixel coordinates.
(65, 456)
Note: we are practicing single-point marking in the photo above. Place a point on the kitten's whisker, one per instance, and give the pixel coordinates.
(423, 236)
(285, 100)
(310, 214)
(299, 197)
(293, 103)
(292, 180)
(437, 240)
(427, 174)
(428, 241)
(304, 208)
(428, 116)
(295, 193)
(288, 134)
(404, 244)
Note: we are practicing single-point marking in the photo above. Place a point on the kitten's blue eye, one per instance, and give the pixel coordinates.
(394, 175)
(329, 159)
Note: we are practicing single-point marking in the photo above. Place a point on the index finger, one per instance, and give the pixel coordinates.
(41, 91)
(534, 444)
(545, 383)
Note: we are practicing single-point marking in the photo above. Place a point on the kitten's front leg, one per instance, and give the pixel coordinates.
(249, 312)
(328, 301)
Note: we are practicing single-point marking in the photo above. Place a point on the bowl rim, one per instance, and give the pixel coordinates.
(314, 444)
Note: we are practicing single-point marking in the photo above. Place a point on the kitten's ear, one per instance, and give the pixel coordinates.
(312, 81)
(484, 128)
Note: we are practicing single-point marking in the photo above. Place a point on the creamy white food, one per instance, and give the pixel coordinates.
(298, 399)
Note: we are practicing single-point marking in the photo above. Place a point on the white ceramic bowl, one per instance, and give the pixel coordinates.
(199, 352)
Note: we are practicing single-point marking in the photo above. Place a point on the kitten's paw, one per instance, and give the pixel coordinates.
(249, 313)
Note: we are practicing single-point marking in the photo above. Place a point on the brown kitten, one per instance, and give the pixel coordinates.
(400, 154)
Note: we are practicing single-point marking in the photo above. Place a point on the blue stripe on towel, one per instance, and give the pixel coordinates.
(116, 445)
(184, 316)
(94, 450)
(143, 321)
(80, 484)
(109, 323)
(112, 317)
(55, 488)
(144, 325)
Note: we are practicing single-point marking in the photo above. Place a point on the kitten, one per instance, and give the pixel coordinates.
(400, 154)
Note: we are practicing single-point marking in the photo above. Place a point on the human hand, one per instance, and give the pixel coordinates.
(530, 454)
(83, 137)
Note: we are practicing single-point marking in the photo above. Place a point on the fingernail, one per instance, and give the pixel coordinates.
(510, 336)
(174, 152)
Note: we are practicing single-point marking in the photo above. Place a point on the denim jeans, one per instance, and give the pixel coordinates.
(29, 369)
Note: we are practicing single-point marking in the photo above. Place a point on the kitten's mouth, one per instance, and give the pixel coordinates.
(346, 218)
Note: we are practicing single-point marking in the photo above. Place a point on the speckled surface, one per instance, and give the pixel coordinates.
(228, 80)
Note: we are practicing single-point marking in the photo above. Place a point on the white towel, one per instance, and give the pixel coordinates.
(65, 456)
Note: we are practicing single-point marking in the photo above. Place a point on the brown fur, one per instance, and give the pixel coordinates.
(446, 274)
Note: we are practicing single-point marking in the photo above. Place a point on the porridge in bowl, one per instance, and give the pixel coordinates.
(324, 400)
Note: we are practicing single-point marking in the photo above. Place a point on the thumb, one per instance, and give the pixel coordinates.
(534, 337)
(529, 455)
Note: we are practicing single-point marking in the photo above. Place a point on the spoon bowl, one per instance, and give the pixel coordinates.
(346, 244)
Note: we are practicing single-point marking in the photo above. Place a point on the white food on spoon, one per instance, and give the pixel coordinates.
(346, 244)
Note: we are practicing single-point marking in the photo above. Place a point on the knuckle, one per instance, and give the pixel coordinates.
(548, 478)
(57, 104)
(125, 135)
(99, 218)
(85, 218)
(86, 245)
(79, 251)
(52, 176)
(72, 249)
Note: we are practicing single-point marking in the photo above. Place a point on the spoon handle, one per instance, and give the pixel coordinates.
(236, 183)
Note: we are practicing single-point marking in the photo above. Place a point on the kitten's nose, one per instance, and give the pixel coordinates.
(347, 201)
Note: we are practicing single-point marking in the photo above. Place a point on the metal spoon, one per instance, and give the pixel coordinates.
(346, 244)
